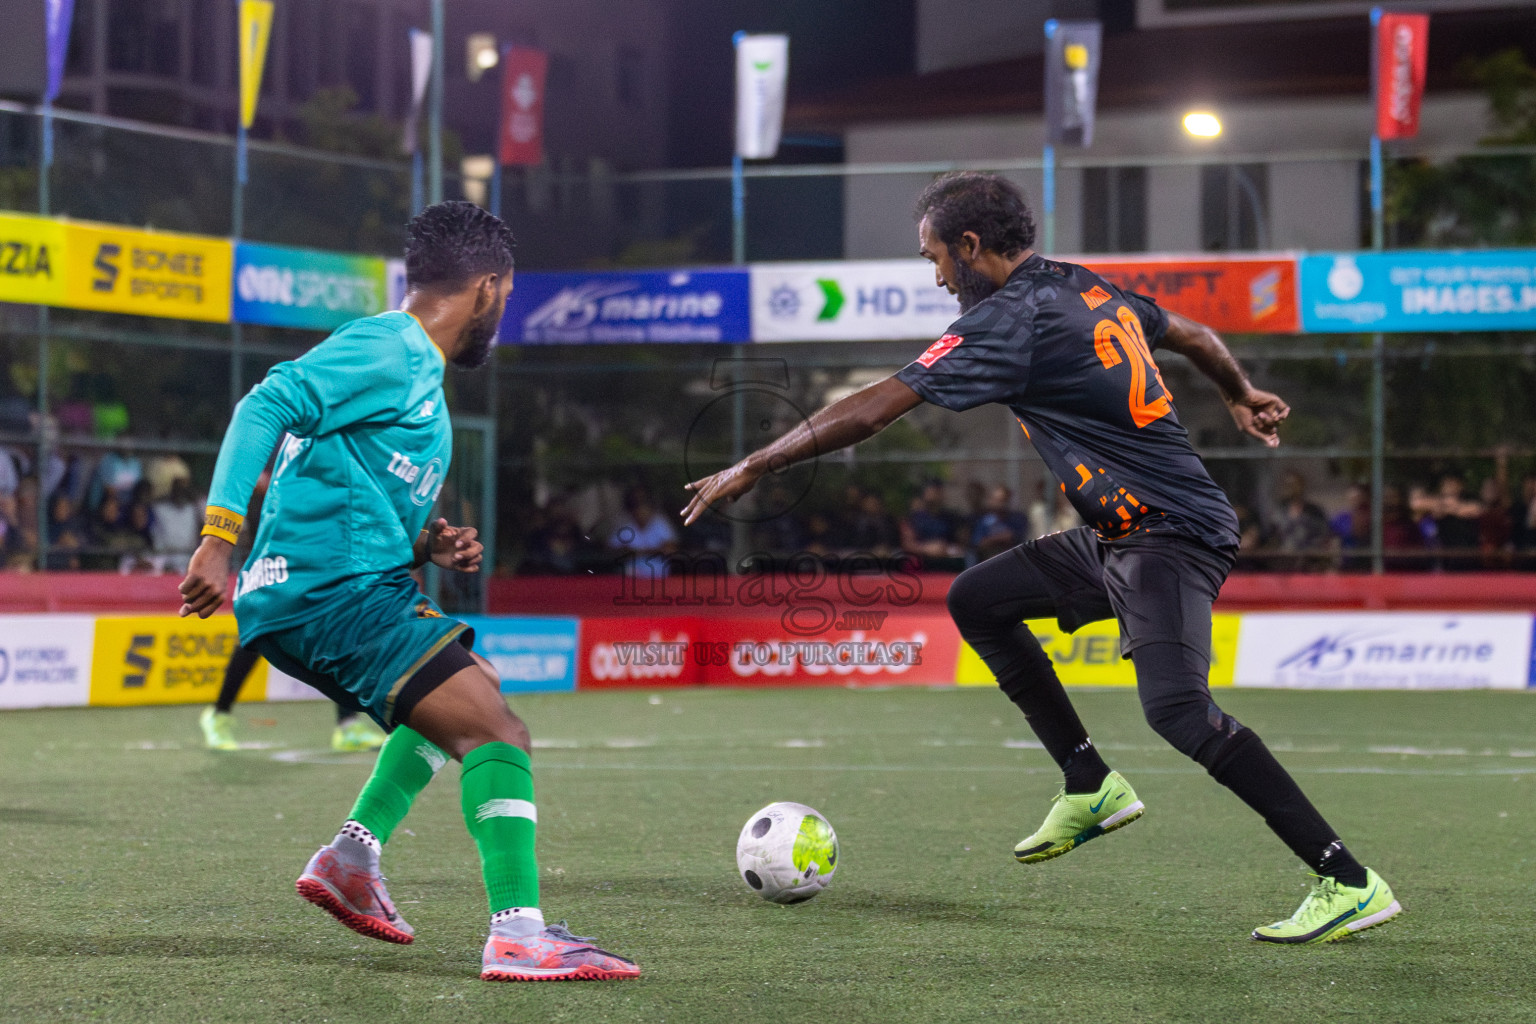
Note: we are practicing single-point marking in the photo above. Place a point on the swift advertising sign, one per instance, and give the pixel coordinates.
(305, 287)
(653, 306)
(1490, 290)
(1242, 295)
(148, 273)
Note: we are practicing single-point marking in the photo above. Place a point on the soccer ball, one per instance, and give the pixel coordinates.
(787, 853)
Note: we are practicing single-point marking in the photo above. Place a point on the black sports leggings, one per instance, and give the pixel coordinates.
(988, 603)
(239, 670)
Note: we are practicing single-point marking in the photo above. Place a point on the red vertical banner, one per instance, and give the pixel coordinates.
(1402, 50)
(522, 106)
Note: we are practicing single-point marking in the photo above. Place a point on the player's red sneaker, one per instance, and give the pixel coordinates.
(552, 955)
(353, 895)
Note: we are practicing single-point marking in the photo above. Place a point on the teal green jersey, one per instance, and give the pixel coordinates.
(365, 444)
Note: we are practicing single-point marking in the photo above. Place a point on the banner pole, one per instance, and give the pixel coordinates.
(738, 212)
(496, 188)
(1378, 340)
(1048, 167)
(435, 109)
(418, 188)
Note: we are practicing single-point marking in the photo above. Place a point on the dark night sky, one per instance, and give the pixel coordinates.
(832, 43)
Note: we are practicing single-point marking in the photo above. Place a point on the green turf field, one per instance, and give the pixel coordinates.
(145, 879)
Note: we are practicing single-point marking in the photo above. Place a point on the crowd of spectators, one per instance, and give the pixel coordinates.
(1425, 529)
(108, 511)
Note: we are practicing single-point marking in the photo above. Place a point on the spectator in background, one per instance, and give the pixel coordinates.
(845, 517)
(1300, 527)
(1455, 519)
(998, 527)
(66, 534)
(930, 529)
(118, 471)
(1401, 539)
(558, 546)
(163, 471)
(820, 537)
(780, 534)
(1495, 527)
(1351, 529)
(176, 525)
(10, 474)
(25, 552)
(874, 530)
(644, 536)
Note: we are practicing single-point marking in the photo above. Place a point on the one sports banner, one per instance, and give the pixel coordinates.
(762, 77)
(305, 288)
(421, 74)
(1401, 48)
(1091, 656)
(1072, 54)
(31, 260)
(45, 660)
(163, 659)
(522, 107)
(60, 15)
(255, 31)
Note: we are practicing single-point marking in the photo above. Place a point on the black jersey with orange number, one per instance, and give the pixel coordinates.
(1071, 355)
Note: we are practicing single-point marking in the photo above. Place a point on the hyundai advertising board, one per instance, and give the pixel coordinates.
(612, 307)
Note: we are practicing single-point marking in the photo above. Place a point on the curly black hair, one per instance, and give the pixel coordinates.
(988, 204)
(451, 242)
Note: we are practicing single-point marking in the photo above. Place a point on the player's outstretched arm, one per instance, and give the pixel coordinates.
(1255, 412)
(845, 422)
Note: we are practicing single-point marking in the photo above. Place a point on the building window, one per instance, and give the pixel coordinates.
(207, 25)
(1234, 207)
(1114, 209)
(145, 37)
(301, 51)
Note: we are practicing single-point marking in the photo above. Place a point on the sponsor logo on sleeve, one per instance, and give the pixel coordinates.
(1095, 297)
(939, 349)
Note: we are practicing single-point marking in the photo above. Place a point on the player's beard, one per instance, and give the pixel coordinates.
(971, 285)
(479, 338)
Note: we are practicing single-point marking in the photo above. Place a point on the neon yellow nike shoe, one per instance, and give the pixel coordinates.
(357, 733)
(1076, 818)
(218, 729)
(1334, 911)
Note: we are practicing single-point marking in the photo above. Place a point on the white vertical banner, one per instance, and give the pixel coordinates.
(762, 73)
(421, 74)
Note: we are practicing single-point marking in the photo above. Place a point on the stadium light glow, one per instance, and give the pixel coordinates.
(1202, 124)
(480, 55)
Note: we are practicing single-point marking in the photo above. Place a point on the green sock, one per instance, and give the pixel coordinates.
(406, 763)
(498, 809)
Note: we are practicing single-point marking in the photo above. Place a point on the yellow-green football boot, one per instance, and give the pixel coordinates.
(356, 734)
(1076, 818)
(1334, 911)
(218, 729)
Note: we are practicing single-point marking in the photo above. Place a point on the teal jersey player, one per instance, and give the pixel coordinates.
(327, 594)
(366, 442)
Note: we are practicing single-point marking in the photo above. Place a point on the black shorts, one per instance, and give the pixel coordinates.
(1160, 586)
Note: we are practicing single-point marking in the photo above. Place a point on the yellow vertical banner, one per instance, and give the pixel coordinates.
(148, 273)
(255, 30)
(31, 260)
(164, 659)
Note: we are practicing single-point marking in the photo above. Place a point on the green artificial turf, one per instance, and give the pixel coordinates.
(145, 879)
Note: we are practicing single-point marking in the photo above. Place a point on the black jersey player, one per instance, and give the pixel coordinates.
(1071, 355)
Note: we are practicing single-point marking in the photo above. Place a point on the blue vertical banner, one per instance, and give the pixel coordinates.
(61, 14)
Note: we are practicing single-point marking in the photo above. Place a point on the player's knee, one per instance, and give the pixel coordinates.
(972, 603)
